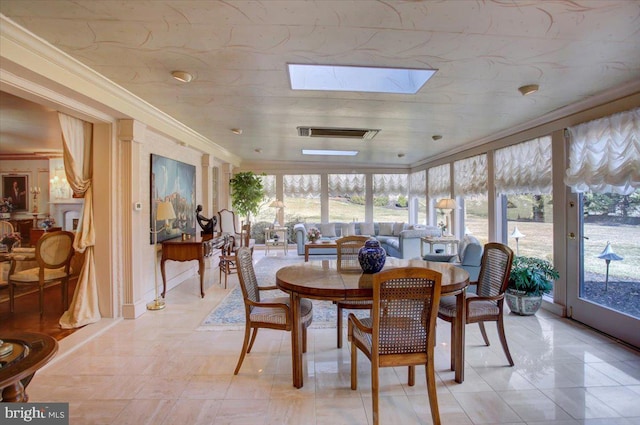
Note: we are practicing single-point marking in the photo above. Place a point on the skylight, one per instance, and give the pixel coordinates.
(328, 152)
(358, 78)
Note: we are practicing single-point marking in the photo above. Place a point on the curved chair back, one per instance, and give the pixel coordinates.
(494, 272)
(5, 228)
(247, 276)
(348, 248)
(55, 250)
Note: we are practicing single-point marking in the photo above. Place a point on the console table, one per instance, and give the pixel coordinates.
(450, 243)
(270, 239)
(196, 248)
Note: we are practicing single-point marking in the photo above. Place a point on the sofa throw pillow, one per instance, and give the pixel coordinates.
(348, 229)
(328, 230)
(386, 229)
(397, 228)
(367, 229)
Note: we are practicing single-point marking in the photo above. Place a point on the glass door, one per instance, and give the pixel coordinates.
(604, 263)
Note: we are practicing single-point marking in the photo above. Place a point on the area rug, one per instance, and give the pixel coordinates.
(229, 313)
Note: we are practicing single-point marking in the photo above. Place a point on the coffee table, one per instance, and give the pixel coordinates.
(320, 244)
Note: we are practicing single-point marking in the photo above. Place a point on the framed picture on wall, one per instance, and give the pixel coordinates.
(175, 182)
(15, 191)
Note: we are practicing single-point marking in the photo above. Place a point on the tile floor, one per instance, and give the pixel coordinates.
(159, 369)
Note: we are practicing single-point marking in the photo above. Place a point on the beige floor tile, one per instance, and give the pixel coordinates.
(486, 408)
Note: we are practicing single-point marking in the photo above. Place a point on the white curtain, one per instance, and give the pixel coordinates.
(390, 184)
(346, 184)
(470, 176)
(524, 168)
(77, 145)
(269, 185)
(418, 184)
(440, 181)
(604, 154)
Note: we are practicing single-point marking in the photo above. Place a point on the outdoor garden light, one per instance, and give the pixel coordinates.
(517, 235)
(608, 255)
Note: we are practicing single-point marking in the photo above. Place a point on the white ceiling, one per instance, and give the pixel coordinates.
(237, 52)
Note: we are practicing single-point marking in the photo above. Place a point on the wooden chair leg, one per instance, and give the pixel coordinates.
(339, 326)
(354, 360)
(374, 391)
(41, 300)
(503, 340)
(484, 334)
(253, 339)
(247, 329)
(11, 295)
(432, 392)
(453, 344)
(304, 339)
(411, 375)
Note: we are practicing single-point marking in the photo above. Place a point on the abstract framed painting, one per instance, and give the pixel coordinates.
(175, 182)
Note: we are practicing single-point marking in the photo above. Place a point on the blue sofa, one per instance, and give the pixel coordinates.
(399, 240)
(469, 258)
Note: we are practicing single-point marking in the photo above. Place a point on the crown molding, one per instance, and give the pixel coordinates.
(26, 50)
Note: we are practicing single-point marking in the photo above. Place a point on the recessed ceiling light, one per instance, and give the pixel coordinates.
(358, 78)
(436, 137)
(328, 152)
(182, 76)
(528, 89)
(400, 155)
(237, 131)
(257, 150)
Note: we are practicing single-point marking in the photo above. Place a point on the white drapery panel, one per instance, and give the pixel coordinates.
(302, 186)
(440, 181)
(390, 184)
(418, 184)
(78, 164)
(470, 176)
(346, 184)
(604, 154)
(524, 168)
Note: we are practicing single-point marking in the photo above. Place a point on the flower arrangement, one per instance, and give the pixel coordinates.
(47, 223)
(443, 227)
(9, 239)
(6, 206)
(313, 234)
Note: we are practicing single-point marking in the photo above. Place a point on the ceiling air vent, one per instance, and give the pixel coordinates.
(345, 133)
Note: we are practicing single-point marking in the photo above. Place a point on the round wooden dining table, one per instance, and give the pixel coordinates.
(322, 280)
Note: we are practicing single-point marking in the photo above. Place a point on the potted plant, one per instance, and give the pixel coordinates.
(530, 278)
(247, 192)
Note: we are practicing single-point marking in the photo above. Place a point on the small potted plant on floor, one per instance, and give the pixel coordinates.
(530, 278)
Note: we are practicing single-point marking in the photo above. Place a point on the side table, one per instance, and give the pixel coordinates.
(450, 244)
(276, 237)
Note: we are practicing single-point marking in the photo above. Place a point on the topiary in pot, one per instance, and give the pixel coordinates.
(530, 278)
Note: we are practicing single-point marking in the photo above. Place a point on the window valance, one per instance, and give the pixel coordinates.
(269, 185)
(604, 154)
(440, 181)
(524, 168)
(346, 184)
(470, 176)
(301, 186)
(390, 184)
(418, 184)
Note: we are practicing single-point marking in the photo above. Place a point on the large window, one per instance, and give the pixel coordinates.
(346, 197)
(390, 203)
(302, 198)
(439, 183)
(523, 181)
(470, 188)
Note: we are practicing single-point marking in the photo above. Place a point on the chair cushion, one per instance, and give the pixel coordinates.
(386, 229)
(363, 337)
(279, 316)
(447, 307)
(31, 275)
(348, 229)
(397, 228)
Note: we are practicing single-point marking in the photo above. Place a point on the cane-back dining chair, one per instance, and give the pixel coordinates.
(228, 225)
(348, 248)
(227, 263)
(271, 313)
(54, 252)
(487, 304)
(401, 330)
